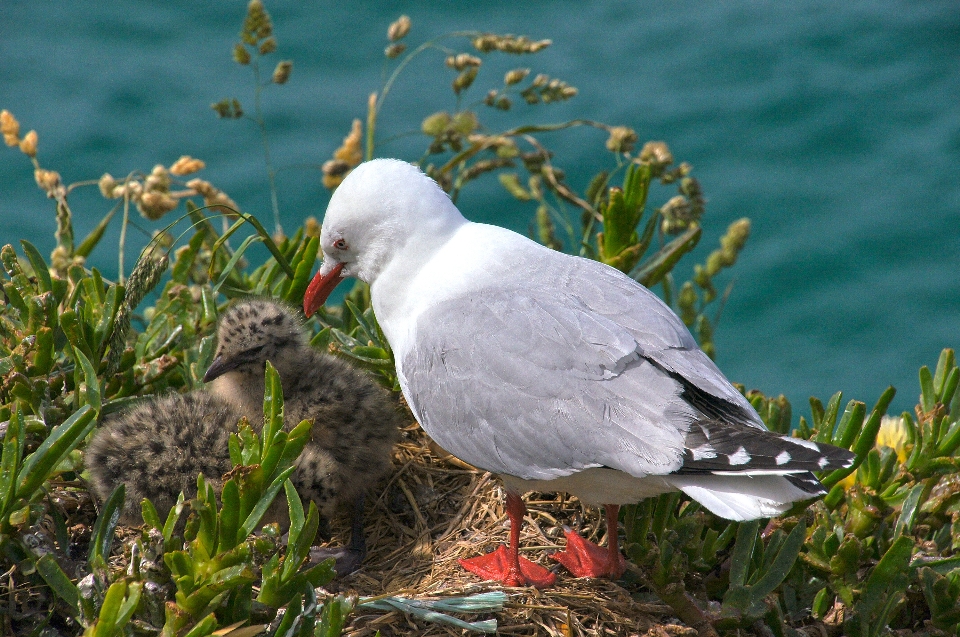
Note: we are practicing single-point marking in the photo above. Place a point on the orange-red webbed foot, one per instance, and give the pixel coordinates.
(499, 566)
(586, 559)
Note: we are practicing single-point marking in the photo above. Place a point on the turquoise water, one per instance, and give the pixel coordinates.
(834, 126)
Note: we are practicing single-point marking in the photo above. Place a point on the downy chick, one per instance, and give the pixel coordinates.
(158, 447)
(356, 422)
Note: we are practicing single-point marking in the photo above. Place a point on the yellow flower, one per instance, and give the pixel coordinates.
(893, 434)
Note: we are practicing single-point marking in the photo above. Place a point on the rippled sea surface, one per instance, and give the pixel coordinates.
(835, 127)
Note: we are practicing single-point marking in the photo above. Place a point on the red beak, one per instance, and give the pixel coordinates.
(320, 288)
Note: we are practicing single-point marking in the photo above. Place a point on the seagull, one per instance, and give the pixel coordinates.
(558, 373)
(157, 448)
(355, 421)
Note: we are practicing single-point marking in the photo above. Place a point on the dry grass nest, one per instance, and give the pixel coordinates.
(432, 510)
(435, 509)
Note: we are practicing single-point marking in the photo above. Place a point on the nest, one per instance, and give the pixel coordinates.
(432, 510)
(435, 509)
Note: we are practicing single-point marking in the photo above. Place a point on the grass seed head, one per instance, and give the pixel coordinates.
(515, 76)
(240, 54)
(28, 145)
(47, 180)
(399, 29)
(10, 128)
(462, 61)
(107, 185)
(186, 165)
(282, 73)
(657, 155)
(621, 140)
(153, 204)
(394, 50)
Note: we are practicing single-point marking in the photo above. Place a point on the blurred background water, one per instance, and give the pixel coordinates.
(834, 126)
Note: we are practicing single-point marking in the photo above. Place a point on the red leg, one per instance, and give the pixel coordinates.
(505, 565)
(586, 559)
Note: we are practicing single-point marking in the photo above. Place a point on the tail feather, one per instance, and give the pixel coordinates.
(747, 497)
(713, 446)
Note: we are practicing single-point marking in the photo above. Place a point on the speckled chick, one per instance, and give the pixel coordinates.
(356, 422)
(158, 447)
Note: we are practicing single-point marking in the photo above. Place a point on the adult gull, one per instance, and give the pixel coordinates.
(556, 372)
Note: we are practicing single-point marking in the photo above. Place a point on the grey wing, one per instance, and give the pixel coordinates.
(728, 434)
(661, 337)
(537, 386)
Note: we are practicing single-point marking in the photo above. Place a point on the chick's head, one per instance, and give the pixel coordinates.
(252, 333)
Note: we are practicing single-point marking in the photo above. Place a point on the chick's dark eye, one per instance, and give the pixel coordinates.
(340, 244)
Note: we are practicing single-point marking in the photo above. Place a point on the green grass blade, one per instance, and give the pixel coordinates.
(11, 458)
(58, 581)
(272, 408)
(234, 259)
(90, 380)
(742, 552)
(91, 240)
(253, 519)
(782, 564)
(40, 268)
(61, 441)
(304, 269)
(652, 271)
(264, 235)
(102, 536)
(229, 516)
(295, 507)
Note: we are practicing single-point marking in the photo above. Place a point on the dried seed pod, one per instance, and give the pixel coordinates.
(201, 187)
(130, 189)
(657, 154)
(351, 151)
(268, 46)
(240, 54)
(462, 60)
(434, 125)
(508, 43)
(394, 50)
(676, 215)
(28, 145)
(621, 140)
(465, 122)
(10, 128)
(186, 165)
(221, 203)
(282, 73)
(47, 180)
(153, 204)
(157, 180)
(399, 29)
(515, 76)
(228, 108)
(334, 170)
(464, 80)
(257, 25)
(107, 185)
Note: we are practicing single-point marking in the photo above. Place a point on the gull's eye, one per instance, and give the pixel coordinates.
(340, 244)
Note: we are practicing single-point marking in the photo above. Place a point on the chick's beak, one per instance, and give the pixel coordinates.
(219, 367)
(320, 288)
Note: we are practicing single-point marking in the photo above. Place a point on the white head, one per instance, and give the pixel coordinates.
(381, 209)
